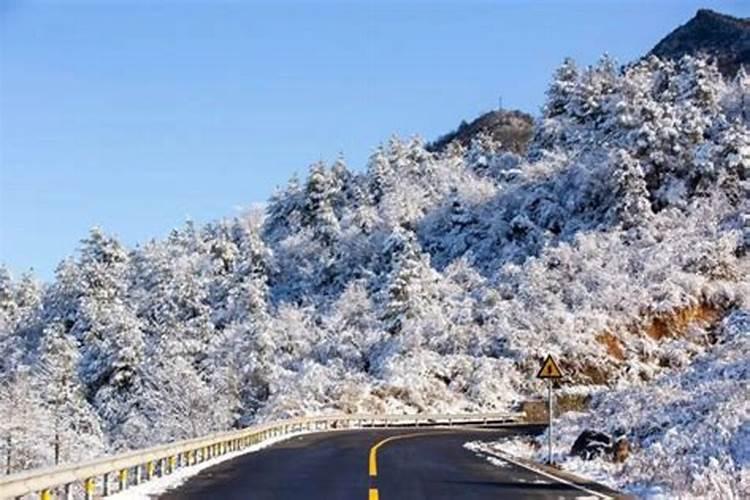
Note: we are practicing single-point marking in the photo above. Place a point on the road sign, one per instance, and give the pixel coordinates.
(549, 372)
(549, 369)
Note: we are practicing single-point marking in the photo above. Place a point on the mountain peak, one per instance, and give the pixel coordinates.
(721, 36)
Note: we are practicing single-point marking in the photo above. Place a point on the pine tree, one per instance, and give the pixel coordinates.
(588, 97)
(407, 285)
(25, 437)
(633, 206)
(379, 173)
(94, 307)
(562, 89)
(8, 341)
(7, 298)
(75, 427)
(321, 192)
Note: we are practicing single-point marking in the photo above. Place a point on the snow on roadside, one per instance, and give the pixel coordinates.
(689, 429)
(150, 489)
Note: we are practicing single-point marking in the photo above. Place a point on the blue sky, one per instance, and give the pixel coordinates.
(136, 115)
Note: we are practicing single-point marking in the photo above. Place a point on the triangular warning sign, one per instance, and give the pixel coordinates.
(549, 369)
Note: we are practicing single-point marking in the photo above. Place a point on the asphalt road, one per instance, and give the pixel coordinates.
(409, 464)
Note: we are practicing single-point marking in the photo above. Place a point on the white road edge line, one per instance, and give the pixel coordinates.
(508, 458)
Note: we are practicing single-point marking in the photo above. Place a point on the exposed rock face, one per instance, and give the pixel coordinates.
(512, 128)
(724, 37)
(591, 444)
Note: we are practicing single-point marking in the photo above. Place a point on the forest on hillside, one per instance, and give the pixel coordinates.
(428, 281)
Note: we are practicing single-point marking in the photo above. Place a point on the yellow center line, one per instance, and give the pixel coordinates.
(373, 465)
(373, 462)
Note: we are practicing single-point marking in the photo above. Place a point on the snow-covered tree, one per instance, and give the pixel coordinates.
(562, 88)
(75, 428)
(321, 191)
(633, 206)
(24, 423)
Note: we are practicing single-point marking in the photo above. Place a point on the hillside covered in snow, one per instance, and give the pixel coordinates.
(430, 281)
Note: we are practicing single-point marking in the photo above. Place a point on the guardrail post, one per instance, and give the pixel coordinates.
(68, 492)
(123, 479)
(105, 484)
(172, 464)
(138, 474)
(89, 488)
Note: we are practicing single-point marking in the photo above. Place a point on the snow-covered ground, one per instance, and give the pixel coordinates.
(689, 429)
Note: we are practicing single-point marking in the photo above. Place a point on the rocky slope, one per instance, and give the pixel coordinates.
(723, 37)
(511, 129)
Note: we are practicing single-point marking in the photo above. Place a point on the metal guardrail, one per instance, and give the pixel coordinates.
(134, 467)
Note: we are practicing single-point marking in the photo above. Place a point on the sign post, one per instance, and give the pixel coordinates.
(549, 372)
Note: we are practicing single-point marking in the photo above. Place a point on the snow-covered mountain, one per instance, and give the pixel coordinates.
(430, 281)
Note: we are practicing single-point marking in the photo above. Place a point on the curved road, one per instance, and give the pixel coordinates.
(405, 464)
